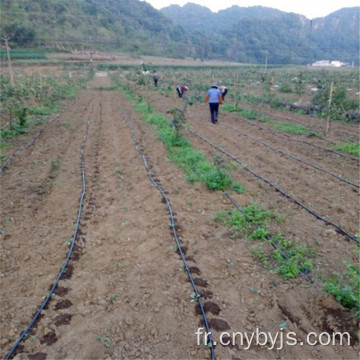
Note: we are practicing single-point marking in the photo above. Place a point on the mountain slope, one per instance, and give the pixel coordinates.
(250, 34)
(241, 34)
(129, 25)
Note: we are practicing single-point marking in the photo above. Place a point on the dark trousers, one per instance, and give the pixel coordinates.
(223, 94)
(214, 112)
(179, 92)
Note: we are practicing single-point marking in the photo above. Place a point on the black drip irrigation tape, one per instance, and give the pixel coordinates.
(303, 141)
(19, 149)
(294, 157)
(63, 269)
(337, 227)
(172, 222)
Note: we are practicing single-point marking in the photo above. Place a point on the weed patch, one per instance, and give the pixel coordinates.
(288, 259)
(291, 128)
(346, 287)
(352, 148)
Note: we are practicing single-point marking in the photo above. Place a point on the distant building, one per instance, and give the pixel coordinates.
(328, 63)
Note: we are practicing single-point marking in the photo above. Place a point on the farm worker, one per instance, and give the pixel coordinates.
(180, 89)
(215, 99)
(155, 77)
(223, 89)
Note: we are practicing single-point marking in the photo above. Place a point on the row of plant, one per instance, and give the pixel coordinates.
(18, 54)
(255, 85)
(34, 97)
(199, 86)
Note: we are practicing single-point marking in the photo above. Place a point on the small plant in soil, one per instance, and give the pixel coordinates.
(114, 297)
(104, 340)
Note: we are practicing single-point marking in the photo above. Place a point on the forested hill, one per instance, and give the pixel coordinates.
(127, 25)
(249, 34)
(237, 34)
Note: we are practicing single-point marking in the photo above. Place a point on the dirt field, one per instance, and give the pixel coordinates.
(124, 294)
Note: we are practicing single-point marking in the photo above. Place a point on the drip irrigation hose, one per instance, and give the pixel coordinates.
(338, 228)
(303, 141)
(63, 269)
(172, 223)
(294, 157)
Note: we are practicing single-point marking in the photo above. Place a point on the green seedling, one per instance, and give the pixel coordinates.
(230, 262)
(254, 290)
(104, 340)
(113, 297)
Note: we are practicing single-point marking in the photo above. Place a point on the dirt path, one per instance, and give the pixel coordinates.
(125, 294)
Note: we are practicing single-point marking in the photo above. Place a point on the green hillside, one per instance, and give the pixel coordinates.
(127, 25)
(239, 34)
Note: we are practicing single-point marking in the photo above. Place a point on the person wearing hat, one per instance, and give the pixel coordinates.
(223, 89)
(180, 89)
(214, 97)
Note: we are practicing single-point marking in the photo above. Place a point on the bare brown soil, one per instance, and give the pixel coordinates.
(125, 294)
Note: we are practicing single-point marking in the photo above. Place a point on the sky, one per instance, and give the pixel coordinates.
(309, 8)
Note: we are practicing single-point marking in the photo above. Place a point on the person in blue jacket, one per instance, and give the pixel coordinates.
(214, 97)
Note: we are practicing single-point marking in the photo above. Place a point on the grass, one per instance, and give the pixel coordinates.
(248, 114)
(292, 128)
(349, 147)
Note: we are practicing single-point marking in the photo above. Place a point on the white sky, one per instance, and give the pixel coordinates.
(310, 8)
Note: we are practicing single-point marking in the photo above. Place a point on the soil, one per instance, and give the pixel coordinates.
(125, 294)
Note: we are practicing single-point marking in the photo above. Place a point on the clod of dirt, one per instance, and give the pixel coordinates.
(200, 282)
(60, 290)
(62, 319)
(194, 270)
(219, 325)
(49, 339)
(184, 250)
(206, 294)
(209, 306)
(37, 356)
(68, 272)
(76, 255)
(189, 258)
(63, 304)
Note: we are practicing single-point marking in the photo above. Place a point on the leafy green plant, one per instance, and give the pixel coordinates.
(240, 189)
(113, 297)
(251, 222)
(352, 148)
(345, 287)
(258, 253)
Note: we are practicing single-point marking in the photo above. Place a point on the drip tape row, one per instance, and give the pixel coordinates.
(293, 157)
(282, 192)
(172, 222)
(72, 245)
(345, 156)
